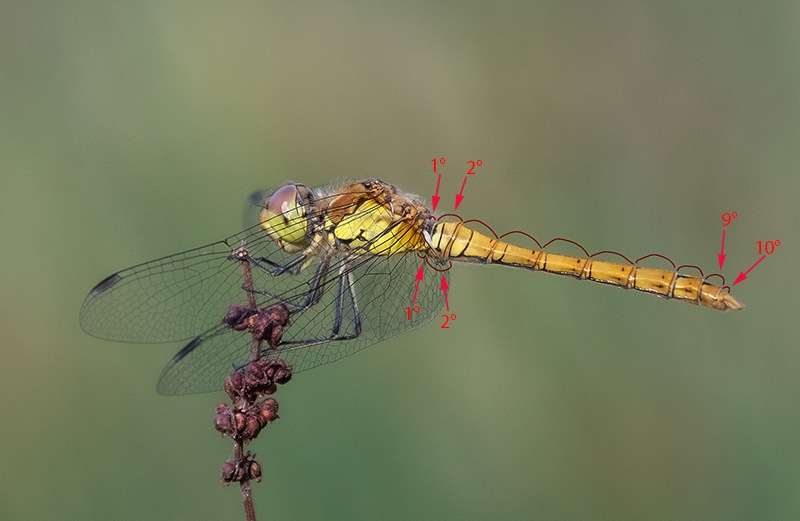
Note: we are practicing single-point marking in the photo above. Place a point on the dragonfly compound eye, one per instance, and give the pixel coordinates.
(284, 219)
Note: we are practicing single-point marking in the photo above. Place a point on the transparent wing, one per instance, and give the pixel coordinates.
(363, 301)
(382, 288)
(179, 296)
(175, 297)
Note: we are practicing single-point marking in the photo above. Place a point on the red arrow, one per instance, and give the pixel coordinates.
(459, 195)
(445, 287)
(721, 256)
(435, 198)
(743, 274)
(419, 279)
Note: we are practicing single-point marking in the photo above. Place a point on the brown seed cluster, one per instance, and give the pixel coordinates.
(266, 324)
(245, 424)
(246, 417)
(242, 470)
(257, 379)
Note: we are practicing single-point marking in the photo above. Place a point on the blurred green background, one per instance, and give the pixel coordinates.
(130, 130)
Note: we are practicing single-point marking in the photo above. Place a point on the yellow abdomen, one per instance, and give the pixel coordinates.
(455, 241)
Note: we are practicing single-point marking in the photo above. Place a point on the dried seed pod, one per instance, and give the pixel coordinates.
(244, 469)
(224, 420)
(237, 317)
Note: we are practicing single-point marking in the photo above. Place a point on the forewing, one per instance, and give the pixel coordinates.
(176, 297)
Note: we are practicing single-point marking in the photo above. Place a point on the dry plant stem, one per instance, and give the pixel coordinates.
(247, 500)
(255, 353)
(255, 345)
(248, 413)
(244, 485)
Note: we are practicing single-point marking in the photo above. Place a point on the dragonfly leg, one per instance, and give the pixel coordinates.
(346, 286)
(276, 269)
(310, 297)
(345, 303)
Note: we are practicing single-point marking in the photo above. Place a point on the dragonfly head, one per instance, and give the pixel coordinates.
(284, 217)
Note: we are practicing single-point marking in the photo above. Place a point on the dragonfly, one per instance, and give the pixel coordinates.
(342, 261)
